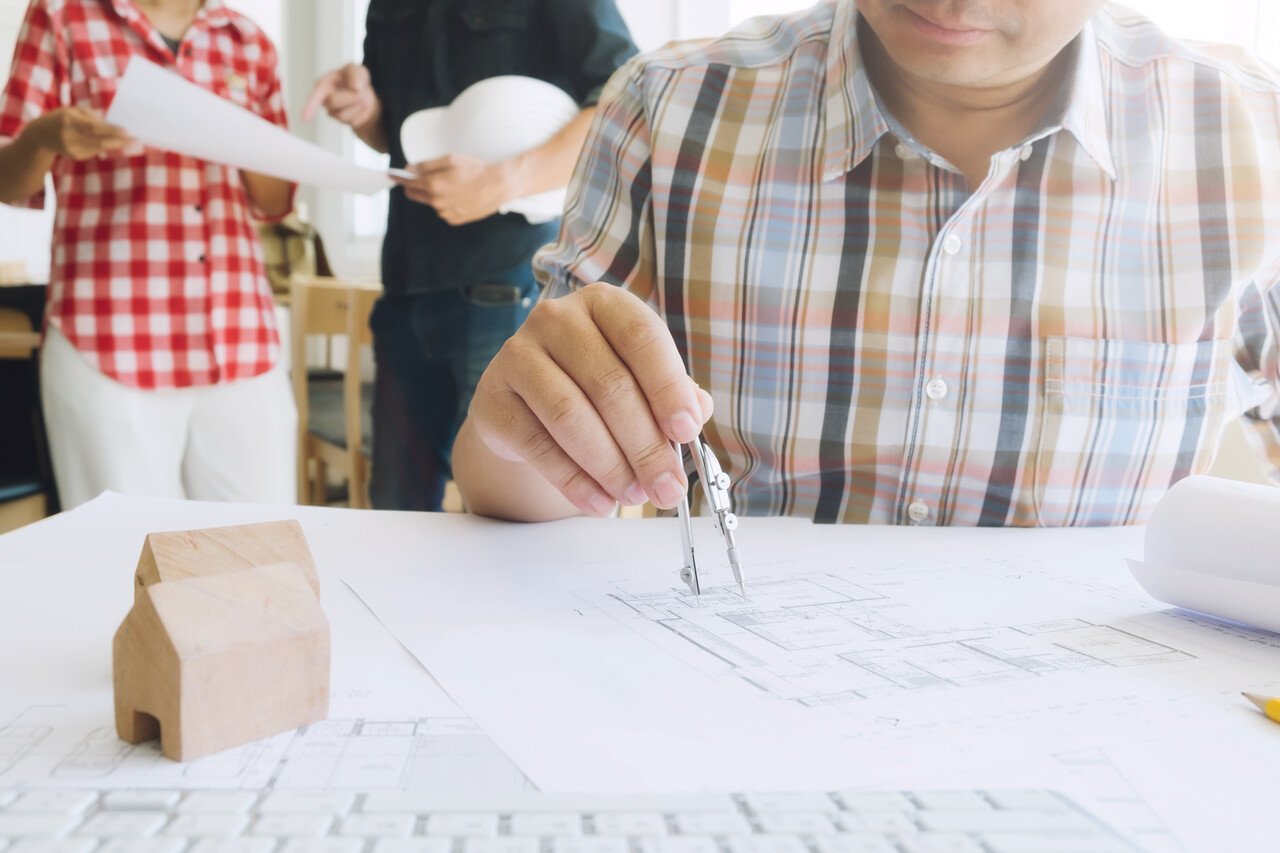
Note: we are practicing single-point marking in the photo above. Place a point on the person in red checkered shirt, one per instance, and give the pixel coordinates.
(160, 371)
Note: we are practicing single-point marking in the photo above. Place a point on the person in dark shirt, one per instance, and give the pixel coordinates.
(457, 273)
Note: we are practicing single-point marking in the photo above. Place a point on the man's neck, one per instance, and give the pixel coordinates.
(965, 124)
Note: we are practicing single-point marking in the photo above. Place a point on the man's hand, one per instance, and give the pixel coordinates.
(347, 95)
(590, 393)
(77, 133)
(462, 189)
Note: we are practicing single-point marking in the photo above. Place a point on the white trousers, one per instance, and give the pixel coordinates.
(229, 442)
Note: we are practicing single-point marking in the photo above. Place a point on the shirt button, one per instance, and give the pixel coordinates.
(951, 245)
(202, 259)
(902, 151)
(918, 511)
(1025, 154)
(936, 389)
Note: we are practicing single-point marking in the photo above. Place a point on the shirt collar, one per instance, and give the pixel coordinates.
(855, 123)
(213, 13)
(1084, 114)
(853, 119)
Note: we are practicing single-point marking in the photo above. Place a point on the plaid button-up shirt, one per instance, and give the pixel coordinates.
(1054, 347)
(157, 275)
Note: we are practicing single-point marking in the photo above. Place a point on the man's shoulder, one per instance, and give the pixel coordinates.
(772, 40)
(1137, 44)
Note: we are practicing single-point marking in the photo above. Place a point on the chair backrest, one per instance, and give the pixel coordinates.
(333, 308)
(17, 338)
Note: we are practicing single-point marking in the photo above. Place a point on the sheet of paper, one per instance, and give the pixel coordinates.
(1213, 546)
(864, 656)
(163, 110)
(68, 584)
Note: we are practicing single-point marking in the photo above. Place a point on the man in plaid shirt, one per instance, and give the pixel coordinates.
(1008, 263)
(160, 370)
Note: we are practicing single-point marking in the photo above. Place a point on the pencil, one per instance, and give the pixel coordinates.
(1270, 707)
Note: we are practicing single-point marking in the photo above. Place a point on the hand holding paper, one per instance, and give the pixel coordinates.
(163, 110)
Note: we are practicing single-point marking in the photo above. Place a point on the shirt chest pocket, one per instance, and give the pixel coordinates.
(1122, 421)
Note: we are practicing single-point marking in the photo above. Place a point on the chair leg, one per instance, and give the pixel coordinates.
(320, 485)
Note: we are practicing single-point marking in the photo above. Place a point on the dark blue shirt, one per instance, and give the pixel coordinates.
(422, 54)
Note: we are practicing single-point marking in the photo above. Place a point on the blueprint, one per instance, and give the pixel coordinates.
(58, 746)
(860, 657)
(823, 640)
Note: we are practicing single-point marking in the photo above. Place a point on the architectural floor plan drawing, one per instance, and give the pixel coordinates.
(822, 639)
(54, 746)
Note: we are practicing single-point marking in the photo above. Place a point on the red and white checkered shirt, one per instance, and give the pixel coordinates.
(157, 274)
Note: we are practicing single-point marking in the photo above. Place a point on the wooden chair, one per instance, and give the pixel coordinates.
(333, 412)
(23, 490)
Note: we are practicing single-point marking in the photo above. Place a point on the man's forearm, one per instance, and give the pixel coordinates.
(23, 165)
(495, 487)
(550, 165)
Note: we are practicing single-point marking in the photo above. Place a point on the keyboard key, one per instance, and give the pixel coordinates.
(790, 802)
(144, 800)
(878, 822)
(307, 802)
(1003, 821)
(466, 825)
(1034, 842)
(502, 844)
(713, 823)
(413, 845)
(235, 845)
(591, 844)
(854, 842)
(810, 823)
(877, 801)
(201, 825)
(766, 844)
(630, 823)
(217, 802)
(41, 824)
(379, 825)
(62, 802)
(679, 844)
(952, 801)
(53, 845)
(310, 825)
(550, 823)
(939, 842)
(323, 845)
(124, 824)
(159, 844)
(1043, 801)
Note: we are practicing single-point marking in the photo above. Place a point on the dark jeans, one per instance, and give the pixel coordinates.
(430, 350)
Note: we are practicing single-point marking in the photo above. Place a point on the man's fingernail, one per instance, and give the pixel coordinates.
(683, 427)
(667, 490)
(602, 504)
(634, 495)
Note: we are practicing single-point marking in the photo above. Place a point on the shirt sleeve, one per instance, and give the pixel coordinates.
(1258, 352)
(591, 41)
(607, 232)
(36, 79)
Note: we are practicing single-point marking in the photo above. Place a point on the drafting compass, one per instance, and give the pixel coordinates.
(715, 486)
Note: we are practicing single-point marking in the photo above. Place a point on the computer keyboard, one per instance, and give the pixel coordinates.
(160, 821)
